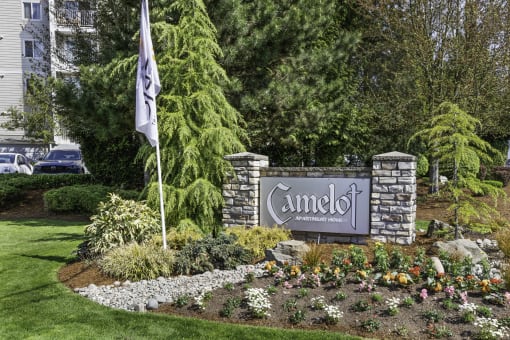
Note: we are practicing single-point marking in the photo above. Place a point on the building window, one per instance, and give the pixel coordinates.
(32, 49)
(32, 10)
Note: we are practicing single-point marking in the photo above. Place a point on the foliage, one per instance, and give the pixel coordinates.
(314, 256)
(209, 253)
(14, 186)
(136, 262)
(295, 82)
(37, 122)
(81, 198)
(178, 239)
(198, 126)
(120, 222)
(415, 55)
(451, 139)
(422, 166)
(258, 238)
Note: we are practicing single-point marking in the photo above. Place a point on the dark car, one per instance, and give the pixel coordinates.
(61, 161)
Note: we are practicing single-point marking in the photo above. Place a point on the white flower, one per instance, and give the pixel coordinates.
(393, 303)
(468, 307)
(318, 302)
(258, 302)
(491, 327)
(333, 314)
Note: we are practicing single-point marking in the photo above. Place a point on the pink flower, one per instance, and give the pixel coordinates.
(507, 297)
(287, 285)
(424, 294)
(463, 297)
(450, 290)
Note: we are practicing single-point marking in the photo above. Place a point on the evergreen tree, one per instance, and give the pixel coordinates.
(197, 125)
(451, 139)
(294, 81)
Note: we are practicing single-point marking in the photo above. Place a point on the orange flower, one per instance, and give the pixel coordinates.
(496, 281)
(438, 287)
(469, 277)
(346, 262)
(415, 270)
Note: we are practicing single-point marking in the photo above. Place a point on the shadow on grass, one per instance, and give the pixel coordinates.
(52, 258)
(62, 237)
(47, 223)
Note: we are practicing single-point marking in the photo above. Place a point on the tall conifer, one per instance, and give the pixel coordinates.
(197, 125)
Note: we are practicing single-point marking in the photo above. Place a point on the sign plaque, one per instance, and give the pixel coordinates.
(329, 205)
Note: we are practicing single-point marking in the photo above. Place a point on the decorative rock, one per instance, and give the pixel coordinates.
(436, 263)
(160, 298)
(435, 225)
(92, 286)
(462, 248)
(116, 283)
(291, 251)
(139, 307)
(126, 283)
(152, 304)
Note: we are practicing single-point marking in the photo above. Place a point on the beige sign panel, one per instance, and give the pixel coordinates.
(329, 205)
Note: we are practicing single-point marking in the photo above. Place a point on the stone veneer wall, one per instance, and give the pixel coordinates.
(393, 197)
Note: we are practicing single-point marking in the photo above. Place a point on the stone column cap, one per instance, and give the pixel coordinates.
(246, 155)
(393, 156)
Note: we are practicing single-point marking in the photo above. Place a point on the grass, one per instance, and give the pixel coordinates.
(35, 305)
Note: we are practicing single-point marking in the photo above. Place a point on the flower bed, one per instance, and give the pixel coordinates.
(394, 295)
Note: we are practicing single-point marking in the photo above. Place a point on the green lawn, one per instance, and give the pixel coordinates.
(35, 305)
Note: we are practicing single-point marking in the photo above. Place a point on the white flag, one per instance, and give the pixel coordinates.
(147, 82)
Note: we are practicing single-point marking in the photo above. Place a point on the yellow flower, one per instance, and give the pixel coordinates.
(336, 271)
(438, 287)
(362, 274)
(387, 277)
(317, 270)
(402, 278)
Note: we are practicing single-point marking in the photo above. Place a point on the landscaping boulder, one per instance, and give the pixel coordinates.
(462, 248)
(436, 225)
(291, 251)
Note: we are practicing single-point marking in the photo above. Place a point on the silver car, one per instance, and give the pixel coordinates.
(14, 163)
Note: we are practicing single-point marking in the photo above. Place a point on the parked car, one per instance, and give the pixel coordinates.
(14, 163)
(62, 159)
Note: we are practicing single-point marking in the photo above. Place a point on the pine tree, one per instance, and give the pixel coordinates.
(197, 125)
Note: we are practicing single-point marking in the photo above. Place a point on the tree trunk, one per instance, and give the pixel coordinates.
(434, 177)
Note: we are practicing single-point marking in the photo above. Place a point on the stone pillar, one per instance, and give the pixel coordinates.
(241, 189)
(393, 198)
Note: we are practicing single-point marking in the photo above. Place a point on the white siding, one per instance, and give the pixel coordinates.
(12, 63)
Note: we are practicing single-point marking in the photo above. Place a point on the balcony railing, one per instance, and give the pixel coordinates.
(79, 18)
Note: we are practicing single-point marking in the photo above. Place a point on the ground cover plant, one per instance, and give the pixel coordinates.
(34, 304)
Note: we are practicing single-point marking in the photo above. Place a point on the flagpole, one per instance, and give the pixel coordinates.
(147, 88)
(161, 204)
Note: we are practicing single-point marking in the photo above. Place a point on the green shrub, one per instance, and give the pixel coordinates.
(137, 262)
(14, 186)
(81, 198)
(422, 166)
(257, 239)
(178, 238)
(120, 222)
(209, 253)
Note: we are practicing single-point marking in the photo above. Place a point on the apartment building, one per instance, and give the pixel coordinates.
(36, 37)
